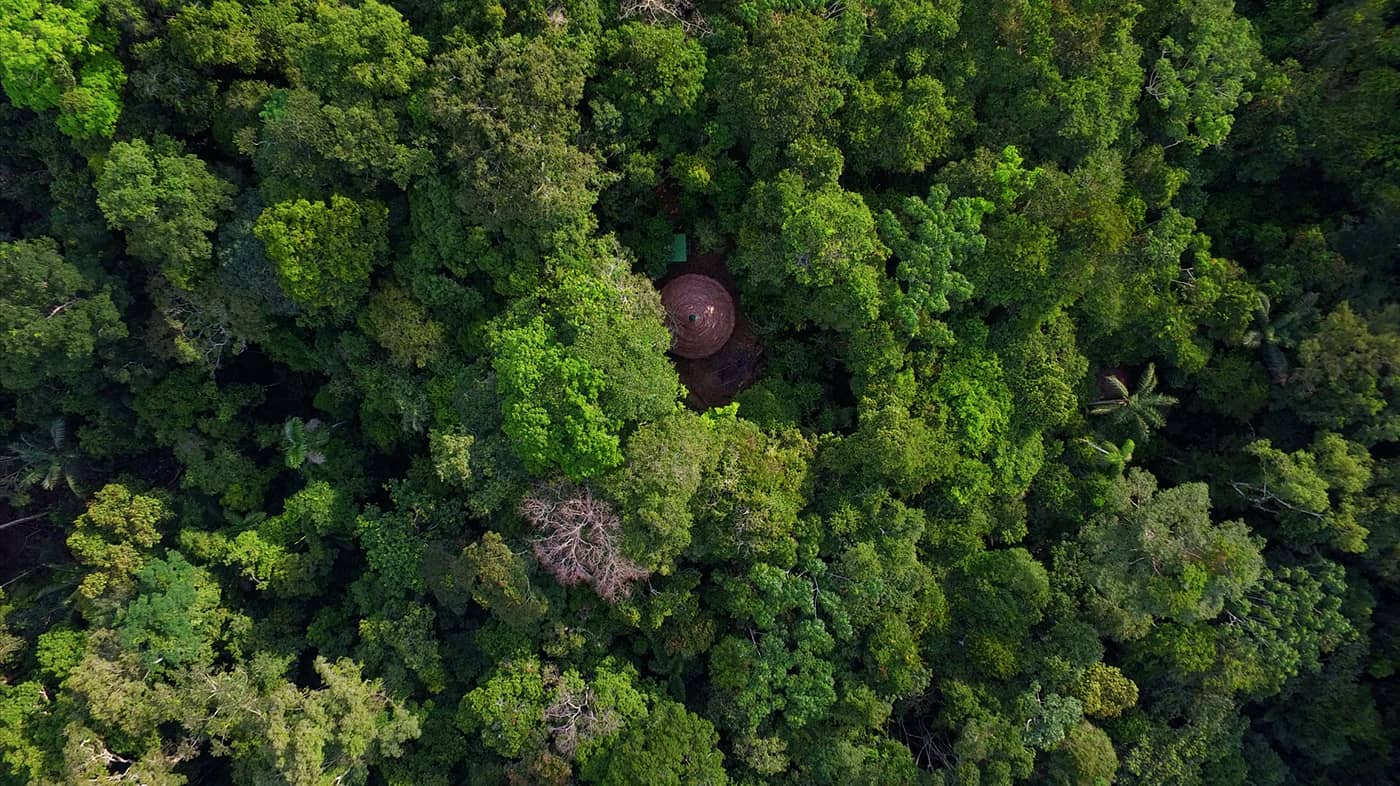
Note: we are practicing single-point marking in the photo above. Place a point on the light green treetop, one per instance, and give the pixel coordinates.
(55, 55)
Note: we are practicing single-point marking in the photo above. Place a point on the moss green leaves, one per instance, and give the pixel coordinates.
(57, 55)
(167, 201)
(1156, 554)
(53, 320)
(324, 250)
(563, 427)
(114, 538)
(1205, 69)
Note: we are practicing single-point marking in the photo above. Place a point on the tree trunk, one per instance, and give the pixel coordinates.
(23, 519)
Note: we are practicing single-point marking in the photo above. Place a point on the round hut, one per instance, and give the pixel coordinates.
(700, 314)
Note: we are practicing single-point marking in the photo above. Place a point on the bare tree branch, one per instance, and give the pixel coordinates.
(23, 519)
(579, 540)
(682, 12)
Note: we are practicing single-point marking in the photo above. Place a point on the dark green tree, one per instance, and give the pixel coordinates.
(1156, 554)
(167, 201)
(53, 319)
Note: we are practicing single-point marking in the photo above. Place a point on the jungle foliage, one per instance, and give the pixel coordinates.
(339, 441)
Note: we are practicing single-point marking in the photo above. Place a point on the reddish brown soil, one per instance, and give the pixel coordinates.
(715, 381)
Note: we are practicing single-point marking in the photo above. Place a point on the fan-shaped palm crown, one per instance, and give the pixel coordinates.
(1139, 411)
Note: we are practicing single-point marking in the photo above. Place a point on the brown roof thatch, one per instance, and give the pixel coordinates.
(700, 314)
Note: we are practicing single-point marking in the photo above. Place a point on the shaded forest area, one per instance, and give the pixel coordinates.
(340, 442)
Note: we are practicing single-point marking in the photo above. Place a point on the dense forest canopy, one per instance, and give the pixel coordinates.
(343, 442)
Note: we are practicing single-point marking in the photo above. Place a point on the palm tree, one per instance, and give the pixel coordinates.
(1273, 335)
(1112, 457)
(1139, 411)
(46, 463)
(304, 441)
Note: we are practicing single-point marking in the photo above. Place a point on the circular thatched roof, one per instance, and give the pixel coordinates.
(700, 314)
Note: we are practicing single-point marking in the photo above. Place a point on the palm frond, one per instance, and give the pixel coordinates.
(31, 455)
(1148, 383)
(29, 477)
(1107, 407)
(1286, 328)
(294, 430)
(1152, 417)
(1156, 400)
(1262, 307)
(1118, 386)
(52, 477)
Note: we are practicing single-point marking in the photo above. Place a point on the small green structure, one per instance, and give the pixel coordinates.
(678, 248)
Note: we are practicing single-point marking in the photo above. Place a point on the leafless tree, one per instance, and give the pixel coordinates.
(682, 12)
(932, 750)
(574, 715)
(579, 540)
(202, 327)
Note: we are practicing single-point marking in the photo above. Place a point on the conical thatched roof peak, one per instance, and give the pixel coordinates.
(700, 314)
